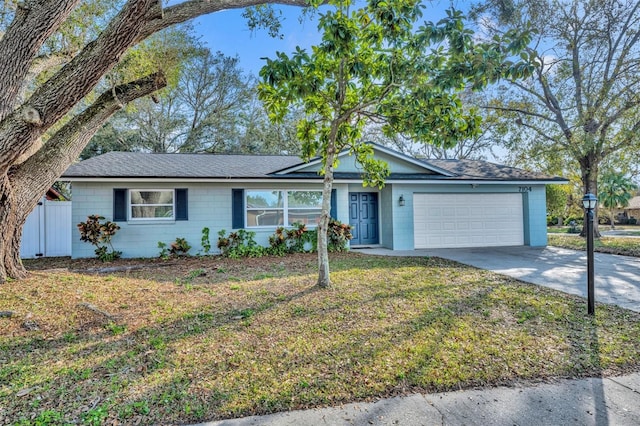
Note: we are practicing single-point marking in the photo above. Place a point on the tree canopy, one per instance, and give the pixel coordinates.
(616, 190)
(376, 65)
(581, 106)
(55, 57)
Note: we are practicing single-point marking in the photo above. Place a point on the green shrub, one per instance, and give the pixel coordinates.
(239, 244)
(205, 242)
(339, 235)
(164, 251)
(100, 235)
(179, 247)
(295, 240)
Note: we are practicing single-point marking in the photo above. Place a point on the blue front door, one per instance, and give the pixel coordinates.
(363, 217)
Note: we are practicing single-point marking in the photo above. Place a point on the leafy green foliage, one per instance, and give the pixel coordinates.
(558, 201)
(206, 243)
(295, 240)
(179, 247)
(239, 244)
(339, 235)
(615, 191)
(371, 67)
(210, 105)
(579, 108)
(298, 239)
(164, 251)
(100, 234)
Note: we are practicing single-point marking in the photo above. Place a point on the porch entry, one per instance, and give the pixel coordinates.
(363, 218)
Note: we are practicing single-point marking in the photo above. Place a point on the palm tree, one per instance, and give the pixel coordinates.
(615, 191)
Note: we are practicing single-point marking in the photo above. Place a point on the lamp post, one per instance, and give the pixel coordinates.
(589, 202)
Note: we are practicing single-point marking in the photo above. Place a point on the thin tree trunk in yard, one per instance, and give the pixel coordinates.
(324, 279)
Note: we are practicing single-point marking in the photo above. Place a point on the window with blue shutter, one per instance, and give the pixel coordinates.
(237, 208)
(182, 204)
(119, 205)
(334, 205)
(150, 204)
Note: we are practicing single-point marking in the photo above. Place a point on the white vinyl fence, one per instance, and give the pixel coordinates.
(47, 231)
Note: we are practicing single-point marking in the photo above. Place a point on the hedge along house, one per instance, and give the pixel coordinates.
(425, 203)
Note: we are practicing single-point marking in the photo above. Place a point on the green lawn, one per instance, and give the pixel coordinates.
(198, 339)
(613, 245)
(623, 230)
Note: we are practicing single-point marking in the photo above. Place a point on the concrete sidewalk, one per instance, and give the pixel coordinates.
(612, 401)
(617, 278)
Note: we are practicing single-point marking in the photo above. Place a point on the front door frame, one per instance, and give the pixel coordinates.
(364, 218)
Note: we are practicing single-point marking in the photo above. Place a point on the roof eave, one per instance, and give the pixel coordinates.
(422, 164)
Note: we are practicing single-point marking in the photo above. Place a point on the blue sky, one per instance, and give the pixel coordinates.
(228, 33)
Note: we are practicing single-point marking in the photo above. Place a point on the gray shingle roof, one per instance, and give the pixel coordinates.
(483, 170)
(634, 203)
(216, 166)
(147, 165)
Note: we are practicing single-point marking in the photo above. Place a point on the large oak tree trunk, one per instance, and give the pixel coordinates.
(23, 187)
(10, 217)
(22, 160)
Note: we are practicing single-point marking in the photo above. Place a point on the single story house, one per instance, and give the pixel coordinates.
(631, 211)
(425, 203)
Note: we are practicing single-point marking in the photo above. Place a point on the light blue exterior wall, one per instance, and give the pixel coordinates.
(386, 216)
(347, 164)
(534, 209)
(401, 238)
(209, 205)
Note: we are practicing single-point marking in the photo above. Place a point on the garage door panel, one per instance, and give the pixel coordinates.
(467, 220)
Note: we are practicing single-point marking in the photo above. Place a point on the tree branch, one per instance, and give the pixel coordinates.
(43, 168)
(521, 111)
(22, 41)
(541, 133)
(137, 20)
(191, 9)
(609, 79)
(625, 142)
(72, 83)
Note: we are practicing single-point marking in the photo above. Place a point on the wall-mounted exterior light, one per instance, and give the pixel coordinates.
(401, 201)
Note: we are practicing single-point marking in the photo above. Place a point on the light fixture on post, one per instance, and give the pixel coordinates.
(401, 201)
(589, 202)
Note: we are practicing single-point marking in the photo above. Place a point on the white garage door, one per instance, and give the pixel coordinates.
(467, 220)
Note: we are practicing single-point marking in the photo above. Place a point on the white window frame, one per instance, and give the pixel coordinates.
(285, 207)
(130, 205)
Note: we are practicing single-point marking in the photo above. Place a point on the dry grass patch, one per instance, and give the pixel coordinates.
(209, 338)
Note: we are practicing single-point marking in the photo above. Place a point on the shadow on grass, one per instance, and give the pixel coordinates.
(359, 345)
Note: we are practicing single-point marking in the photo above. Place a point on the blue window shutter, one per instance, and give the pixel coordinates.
(119, 205)
(237, 208)
(334, 205)
(182, 204)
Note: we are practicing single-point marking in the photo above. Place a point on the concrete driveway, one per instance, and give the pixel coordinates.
(617, 277)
